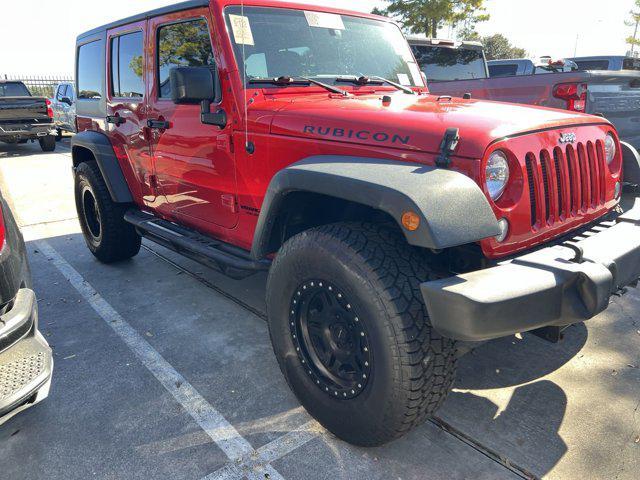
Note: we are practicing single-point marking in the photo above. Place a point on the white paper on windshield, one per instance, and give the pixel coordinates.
(241, 30)
(416, 74)
(403, 78)
(324, 20)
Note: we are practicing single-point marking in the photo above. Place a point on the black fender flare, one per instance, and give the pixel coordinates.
(453, 209)
(100, 146)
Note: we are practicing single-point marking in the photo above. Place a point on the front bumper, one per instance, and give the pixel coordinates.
(26, 361)
(26, 130)
(549, 287)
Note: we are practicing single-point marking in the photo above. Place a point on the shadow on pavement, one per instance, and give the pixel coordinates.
(511, 361)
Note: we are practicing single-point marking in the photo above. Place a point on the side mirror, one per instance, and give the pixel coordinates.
(66, 100)
(193, 85)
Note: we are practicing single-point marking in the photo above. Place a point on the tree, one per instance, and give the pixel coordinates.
(634, 41)
(428, 16)
(498, 47)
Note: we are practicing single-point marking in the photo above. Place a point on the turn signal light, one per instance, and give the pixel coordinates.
(411, 221)
(575, 94)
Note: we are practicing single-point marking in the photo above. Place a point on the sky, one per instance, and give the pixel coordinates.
(542, 27)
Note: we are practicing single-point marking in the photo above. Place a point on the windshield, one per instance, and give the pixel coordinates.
(278, 42)
(441, 63)
(13, 90)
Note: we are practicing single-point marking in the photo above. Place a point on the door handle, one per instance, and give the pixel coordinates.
(158, 124)
(116, 119)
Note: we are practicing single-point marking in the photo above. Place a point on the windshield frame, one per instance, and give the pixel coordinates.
(330, 79)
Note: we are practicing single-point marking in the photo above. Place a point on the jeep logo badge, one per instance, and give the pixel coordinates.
(568, 138)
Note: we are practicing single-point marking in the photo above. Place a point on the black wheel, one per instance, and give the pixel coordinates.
(58, 135)
(107, 235)
(47, 143)
(351, 333)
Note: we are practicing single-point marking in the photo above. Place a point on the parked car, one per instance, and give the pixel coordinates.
(26, 362)
(614, 95)
(524, 66)
(607, 62)
(64, 108)
(24, 117)
(392, 222)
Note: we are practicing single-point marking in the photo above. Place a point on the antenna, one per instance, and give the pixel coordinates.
(244, 80)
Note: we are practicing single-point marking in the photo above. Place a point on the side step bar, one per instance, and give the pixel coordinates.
(230, 260)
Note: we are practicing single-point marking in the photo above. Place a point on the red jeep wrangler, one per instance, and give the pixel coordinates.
(303, 141)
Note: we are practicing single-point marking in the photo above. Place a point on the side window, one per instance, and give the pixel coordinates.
(127, 66)
(185, 44)
(90, 70)
(61, 90)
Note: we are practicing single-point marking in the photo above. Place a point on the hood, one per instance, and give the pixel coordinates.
(416, 123)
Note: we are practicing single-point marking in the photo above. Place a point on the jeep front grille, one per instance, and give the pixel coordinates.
(566, 182)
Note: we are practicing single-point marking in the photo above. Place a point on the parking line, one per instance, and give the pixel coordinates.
(271, 452)
(225, 436)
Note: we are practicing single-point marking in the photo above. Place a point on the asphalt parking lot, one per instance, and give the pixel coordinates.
(163, 369)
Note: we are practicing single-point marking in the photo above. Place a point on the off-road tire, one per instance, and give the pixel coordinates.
(413, 367)
(47, 143)
(107, 235)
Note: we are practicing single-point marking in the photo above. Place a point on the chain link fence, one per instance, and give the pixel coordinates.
(40, 85)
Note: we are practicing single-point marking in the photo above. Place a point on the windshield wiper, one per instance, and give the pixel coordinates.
(298, 81)
(363, 80)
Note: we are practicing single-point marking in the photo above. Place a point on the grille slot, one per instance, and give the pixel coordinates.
(557, 158)
(530, 160)
(546, 184)
(585, 180)
(573, 191)
(602, 165)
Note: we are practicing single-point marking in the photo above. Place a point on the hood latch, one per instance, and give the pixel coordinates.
(447, 147)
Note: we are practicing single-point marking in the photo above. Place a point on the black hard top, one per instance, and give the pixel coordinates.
(146, 15)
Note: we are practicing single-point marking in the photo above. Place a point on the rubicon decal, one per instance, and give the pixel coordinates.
(368, 135)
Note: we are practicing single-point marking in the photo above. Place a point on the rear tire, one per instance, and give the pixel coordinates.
(48, 143)
(106, 233)
(58, 135)
(364, 359)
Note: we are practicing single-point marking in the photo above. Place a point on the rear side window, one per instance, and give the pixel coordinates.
(441, 64)
(62, 92)
(127, 66)
(90, 71)
(185, 44)
(510, 70)
(631, 64)
(593, 64)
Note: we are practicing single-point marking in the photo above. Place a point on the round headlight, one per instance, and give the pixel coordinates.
(610, 148)
(497, 174)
